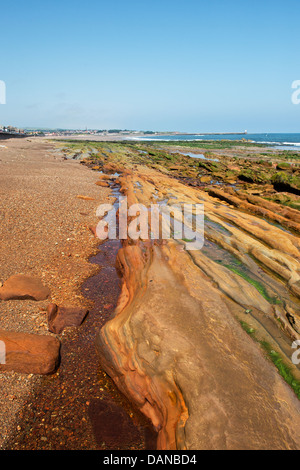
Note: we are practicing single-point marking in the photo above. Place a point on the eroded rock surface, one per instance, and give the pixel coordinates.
(175, 349)
(174, 345)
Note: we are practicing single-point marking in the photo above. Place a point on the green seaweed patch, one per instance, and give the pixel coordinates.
(249, 330)
(258, 286)
(283, 166)
(264, 163)
(284, 200)
(283, 369)
(252, 176)
(208, 144)
(286, 179)
(217, 226)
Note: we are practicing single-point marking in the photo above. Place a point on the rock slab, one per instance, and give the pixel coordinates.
(29, 353)
(22, 287)
(60, 318)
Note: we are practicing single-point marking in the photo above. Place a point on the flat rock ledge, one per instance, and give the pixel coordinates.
(28, 353)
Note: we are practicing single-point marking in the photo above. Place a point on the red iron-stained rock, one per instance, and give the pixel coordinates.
(85, 198)
(21, 287)
(104, 184)
(29, 353)
(60, 318)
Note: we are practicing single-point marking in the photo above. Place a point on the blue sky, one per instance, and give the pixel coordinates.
(193, 66)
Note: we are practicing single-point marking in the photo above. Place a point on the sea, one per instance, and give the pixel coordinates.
(278, 141)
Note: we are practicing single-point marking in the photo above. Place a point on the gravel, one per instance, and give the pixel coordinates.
(44, 232)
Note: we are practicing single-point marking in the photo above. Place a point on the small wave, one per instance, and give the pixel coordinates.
(293, 144)
(163, 139)
(199, 138)
(269, 142)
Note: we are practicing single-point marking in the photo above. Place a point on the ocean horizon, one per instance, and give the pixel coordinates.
(283, 141)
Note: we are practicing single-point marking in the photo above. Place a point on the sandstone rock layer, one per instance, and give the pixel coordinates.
(174, 345)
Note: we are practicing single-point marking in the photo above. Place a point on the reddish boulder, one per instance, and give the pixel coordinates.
(21, 287)
(60, 318)
(104, 184)
(105, 177)
(29, 353)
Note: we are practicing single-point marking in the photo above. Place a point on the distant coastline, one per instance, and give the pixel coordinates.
(8, 135)
(282, 141)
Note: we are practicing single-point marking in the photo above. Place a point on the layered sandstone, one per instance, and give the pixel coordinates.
(174, 345)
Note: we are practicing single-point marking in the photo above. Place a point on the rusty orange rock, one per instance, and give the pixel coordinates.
(29, 353)
(85, 198)
(21, 287)
(103, 184)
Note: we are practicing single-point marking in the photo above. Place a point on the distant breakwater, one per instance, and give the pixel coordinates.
(8, 135)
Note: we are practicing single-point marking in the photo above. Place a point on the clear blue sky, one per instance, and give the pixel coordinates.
(154, 65)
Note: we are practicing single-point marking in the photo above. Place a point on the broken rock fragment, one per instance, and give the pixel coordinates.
(60, 318)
